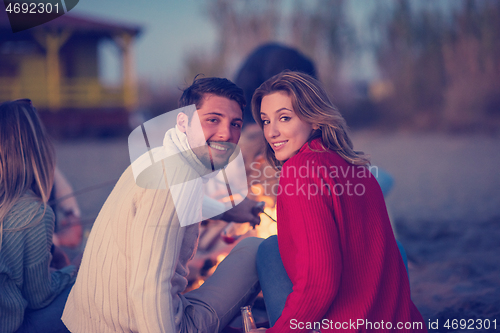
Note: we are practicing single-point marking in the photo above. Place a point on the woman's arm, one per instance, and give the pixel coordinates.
(12, 303)
(40, 286)
(313, 234)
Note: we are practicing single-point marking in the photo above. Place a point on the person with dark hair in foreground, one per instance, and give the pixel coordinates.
(134, 267)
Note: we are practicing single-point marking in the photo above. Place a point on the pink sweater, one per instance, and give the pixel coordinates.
(338, 248)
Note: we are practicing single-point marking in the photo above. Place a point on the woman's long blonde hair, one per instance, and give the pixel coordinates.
(27, 159)
(311, 104)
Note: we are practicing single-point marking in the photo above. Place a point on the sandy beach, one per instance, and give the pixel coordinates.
(445, 205)
(446, 208)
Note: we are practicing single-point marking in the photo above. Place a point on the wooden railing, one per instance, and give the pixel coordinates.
(73, 93)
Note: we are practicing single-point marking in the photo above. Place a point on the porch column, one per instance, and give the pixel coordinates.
(129, 79)
(52, 42)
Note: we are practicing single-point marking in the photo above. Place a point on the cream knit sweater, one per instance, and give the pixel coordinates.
(135, 262)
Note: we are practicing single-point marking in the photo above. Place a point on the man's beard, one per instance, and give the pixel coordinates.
(208, 157)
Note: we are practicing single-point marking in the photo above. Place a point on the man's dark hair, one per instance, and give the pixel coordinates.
(195, 93)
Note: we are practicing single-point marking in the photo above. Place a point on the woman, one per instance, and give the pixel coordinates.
(32, 296)
(338, 265)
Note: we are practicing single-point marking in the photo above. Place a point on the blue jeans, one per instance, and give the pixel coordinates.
(47, 319)
(274, 281)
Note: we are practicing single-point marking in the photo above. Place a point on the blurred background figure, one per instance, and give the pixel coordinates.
(266, 61)
(68, 230)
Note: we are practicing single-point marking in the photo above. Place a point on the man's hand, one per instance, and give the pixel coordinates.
(246, 211)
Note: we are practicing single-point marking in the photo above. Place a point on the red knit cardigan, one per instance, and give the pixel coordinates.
(339, 250)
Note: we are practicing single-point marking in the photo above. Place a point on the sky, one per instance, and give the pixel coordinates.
(172, 29)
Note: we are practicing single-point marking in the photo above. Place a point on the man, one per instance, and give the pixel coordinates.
(134, 266)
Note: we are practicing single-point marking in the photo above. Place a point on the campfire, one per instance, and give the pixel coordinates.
(217, 238)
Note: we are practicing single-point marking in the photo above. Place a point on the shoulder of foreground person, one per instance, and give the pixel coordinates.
(24, 263)
(309, 162)
(29, 208)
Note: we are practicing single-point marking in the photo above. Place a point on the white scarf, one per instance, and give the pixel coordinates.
(186, 176)
(175, 166)
(176, 142)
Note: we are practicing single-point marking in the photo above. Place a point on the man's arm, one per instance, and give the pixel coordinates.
(246, 211)
(156, 239)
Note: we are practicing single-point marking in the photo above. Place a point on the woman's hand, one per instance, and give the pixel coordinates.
(59, 258)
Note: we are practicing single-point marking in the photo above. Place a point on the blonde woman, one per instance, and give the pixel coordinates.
(32, 296)
(335, 263)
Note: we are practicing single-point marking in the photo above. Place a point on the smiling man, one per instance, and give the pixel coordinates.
(134, 269)
(214, 130)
